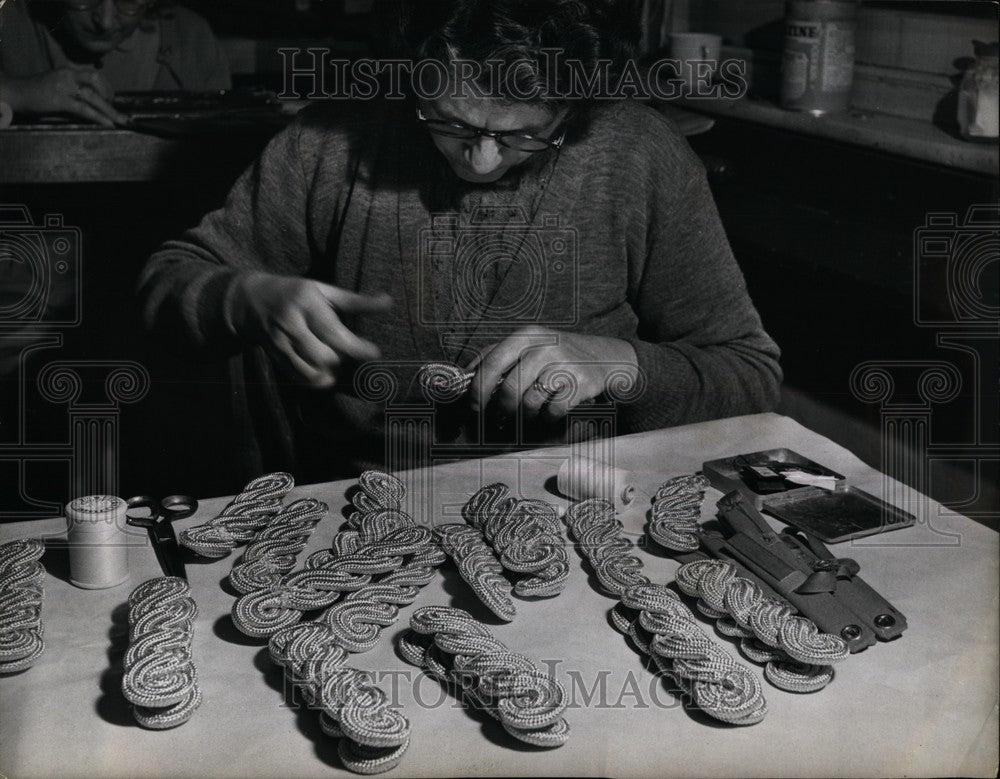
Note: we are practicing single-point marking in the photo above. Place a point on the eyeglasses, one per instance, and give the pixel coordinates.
(512, 140)
(124, 7)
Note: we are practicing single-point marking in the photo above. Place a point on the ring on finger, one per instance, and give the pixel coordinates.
(544, 387)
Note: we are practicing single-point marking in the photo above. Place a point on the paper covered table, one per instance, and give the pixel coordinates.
(925, 704)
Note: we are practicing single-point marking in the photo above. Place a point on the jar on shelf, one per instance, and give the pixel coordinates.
(978, 113)
(817, 66)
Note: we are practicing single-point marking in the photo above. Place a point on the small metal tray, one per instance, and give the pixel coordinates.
(724, 474)
(833, 516)
(836, 515)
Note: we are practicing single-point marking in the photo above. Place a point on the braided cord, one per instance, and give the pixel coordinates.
(240, 520)
(797, 654)
(676, 510)
(443, 381)
(660, 625)
(462, 653)
(478, 566)
(527, 538)
(372, 569)
(373, 735)
(272, 554)
(160, 679)
(381, 540)
(22, 579)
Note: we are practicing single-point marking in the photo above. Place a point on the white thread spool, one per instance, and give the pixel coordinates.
(98, 542)
(581, 478)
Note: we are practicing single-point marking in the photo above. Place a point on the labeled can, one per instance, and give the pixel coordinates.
(817, 68)
(98, 541)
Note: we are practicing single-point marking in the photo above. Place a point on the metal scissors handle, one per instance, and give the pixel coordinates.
(157, 524)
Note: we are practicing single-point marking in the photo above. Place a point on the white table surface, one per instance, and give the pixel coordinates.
(924, 705)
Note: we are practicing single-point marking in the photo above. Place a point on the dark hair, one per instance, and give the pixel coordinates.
(518, 32)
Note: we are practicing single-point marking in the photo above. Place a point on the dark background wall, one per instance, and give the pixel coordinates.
(828, 237)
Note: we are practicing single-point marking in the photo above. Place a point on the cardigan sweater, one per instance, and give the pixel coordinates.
(615, 234)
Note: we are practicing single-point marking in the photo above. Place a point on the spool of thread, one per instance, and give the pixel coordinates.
(98, 541)
(581, 478)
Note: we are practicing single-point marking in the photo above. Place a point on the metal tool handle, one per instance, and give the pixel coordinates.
(142, 502)
(178, 506)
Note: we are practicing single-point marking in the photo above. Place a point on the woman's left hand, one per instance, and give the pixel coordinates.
(548, 371)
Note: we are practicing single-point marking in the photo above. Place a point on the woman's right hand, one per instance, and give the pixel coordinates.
(298, 322)
(83, 92)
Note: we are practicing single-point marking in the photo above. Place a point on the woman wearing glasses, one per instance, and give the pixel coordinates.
(71, 56)
(548, 245)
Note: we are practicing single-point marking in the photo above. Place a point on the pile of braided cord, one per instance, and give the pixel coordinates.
(478, 566)
(22, 580)
(160, 680)
(372, 568)
(373, 735)
(661, 625)
(798, 656)
(241, 519)
(527, 537)
(462, 653)
(676, 510)
(272, 554)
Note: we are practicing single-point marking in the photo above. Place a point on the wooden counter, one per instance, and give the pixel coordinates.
(72, 154)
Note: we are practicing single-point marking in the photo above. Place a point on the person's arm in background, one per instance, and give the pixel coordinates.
(29, 84)
(82, 92)
(235, 280)
(700, 342)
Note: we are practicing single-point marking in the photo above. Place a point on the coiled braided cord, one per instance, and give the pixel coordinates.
(381, 539)
(272, 554)
(387, 543)
(797, 654)
(240, 520)
(661, 625)
(478, 566)
(462, 652)
(160, 679)
(373, 735)
(22, 580)
(676, 510)
(527, 537)
(443, 381)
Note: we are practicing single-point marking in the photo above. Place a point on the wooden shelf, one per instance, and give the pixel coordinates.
(907, 137)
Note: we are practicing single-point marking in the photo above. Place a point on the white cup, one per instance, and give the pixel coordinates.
(581, 478)
(697, 54)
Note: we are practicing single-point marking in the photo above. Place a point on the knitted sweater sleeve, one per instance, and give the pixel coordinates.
(185, 288)
(702, 349)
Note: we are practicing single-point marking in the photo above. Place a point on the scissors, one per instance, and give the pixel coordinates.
(161, 532)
